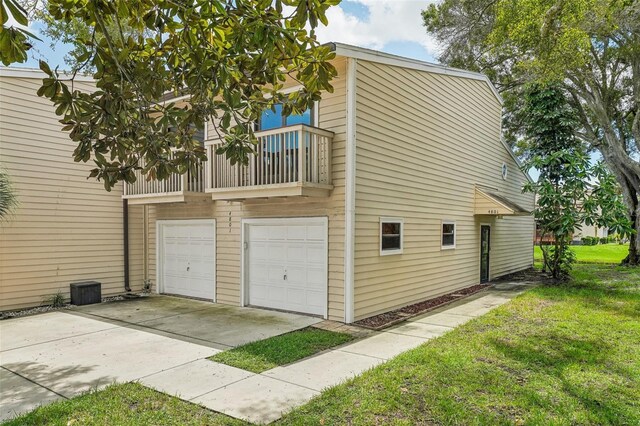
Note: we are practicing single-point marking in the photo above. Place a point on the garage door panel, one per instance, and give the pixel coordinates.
(276, 233)
(314, 278)
(276, 251)
(188, 258)
(274, 273)
(297, 276)
(316, 233)
(316, 298)
(296, 233)
(295, 250)
(296, 297)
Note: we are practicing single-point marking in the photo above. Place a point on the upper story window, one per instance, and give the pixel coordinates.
(274, 119)
(448, 235)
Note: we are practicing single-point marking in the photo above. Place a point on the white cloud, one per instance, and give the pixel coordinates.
(387, 21)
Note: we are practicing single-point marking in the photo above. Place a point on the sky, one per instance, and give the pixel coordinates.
(392, 26)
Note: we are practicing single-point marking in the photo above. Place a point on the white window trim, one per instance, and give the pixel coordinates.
(391, 220)
(455, 234)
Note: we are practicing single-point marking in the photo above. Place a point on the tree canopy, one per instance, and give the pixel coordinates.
(570, 191)
(592, 47)
(230, 58)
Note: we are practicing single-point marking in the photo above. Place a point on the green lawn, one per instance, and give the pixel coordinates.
(601, 253)
(280, 350)
(556, 355)
(128, 404)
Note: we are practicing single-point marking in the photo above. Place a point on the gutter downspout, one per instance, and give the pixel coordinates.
(125, 237)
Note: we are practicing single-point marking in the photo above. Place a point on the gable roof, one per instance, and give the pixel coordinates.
(356, 52)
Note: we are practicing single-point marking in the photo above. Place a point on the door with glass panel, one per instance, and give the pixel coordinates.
(485, 249)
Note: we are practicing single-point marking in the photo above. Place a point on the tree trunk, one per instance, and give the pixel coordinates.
(629, 181)
(633, 258)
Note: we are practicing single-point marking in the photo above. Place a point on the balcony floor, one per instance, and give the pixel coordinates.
(294, 189)
(163, 198)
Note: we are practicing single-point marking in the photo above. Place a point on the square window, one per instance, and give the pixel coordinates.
(448, 235)
(391, 236)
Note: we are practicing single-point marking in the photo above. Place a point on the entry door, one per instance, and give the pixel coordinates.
(187, 257)
(287, 264)
(485, 249)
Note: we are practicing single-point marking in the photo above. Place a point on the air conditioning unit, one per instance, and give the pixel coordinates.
(86, 293)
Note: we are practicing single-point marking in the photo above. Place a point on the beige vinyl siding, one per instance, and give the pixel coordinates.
(228, 215)
(66, 228)
(423, 142)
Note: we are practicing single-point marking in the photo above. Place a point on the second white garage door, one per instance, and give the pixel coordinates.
(286, 264)
(187, 257)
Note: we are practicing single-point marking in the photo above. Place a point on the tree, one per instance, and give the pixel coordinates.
(8, 200)
(592, 47)
(565, 196)
(14, 39)
(230, 58)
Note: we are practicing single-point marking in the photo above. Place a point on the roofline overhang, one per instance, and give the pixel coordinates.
(356, 52)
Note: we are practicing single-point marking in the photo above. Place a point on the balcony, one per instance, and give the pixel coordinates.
(292, 161)
(175, 189)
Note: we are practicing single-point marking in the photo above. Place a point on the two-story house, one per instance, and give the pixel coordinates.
(393, 189)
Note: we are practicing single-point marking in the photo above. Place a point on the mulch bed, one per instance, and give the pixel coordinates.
(378, 322)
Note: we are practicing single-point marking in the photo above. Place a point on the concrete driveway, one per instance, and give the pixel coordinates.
(61, 354)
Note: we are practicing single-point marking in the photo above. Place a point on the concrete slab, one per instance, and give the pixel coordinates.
(419, 329)
(494, 299)
(81, 363)
(18, 395)
(383, 345)
(257, 399)
(443, 318)
(48, 327)
(231, 325)
(195, 378)
(473, 309)
(324, 370)
(144, 308)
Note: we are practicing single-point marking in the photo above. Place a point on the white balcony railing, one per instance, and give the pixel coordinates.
(176, 184)
(293, 155)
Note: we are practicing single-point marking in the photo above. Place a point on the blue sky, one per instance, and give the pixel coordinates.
(392, 26)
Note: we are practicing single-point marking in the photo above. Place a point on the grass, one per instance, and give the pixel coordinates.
(601, 253)
(123, 404)
(557, 355)
(280, 350)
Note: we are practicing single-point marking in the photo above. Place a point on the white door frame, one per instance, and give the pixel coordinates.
(244, 277)
(160, 246)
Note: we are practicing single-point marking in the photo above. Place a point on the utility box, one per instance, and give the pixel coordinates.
(86, 293)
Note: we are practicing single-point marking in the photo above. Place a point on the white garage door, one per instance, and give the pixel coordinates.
(287, 264)
(187, 257)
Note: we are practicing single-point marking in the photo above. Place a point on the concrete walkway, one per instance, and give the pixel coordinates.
(58, 355)
(263, 398)
(62, 354)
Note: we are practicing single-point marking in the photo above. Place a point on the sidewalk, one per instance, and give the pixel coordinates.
(263, 398)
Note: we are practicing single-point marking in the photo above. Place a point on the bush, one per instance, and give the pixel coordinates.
(604, 240)
(590, 241)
